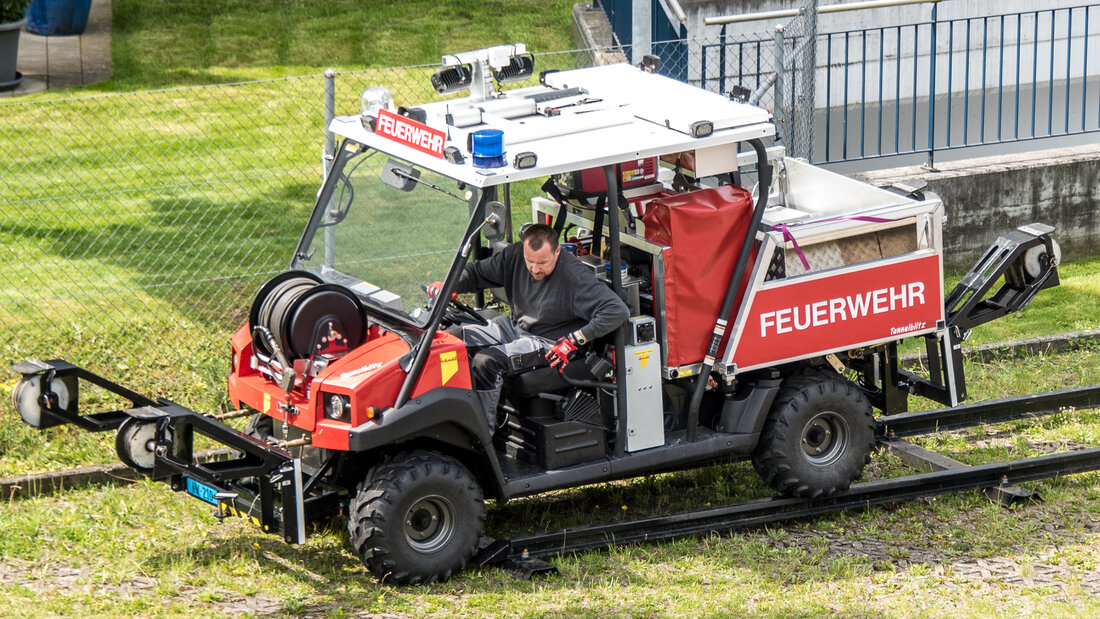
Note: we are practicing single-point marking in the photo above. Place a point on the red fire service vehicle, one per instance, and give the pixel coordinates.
(767, 299)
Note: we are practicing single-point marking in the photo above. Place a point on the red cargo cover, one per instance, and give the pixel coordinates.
(704, 230)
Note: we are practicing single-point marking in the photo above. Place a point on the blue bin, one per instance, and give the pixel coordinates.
(50, 17)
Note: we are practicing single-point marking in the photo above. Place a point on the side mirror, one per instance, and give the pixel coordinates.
(399, 175)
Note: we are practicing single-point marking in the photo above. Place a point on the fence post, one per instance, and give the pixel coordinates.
(330, 113)
(780, 68)
(807, 101)
(722, 62)
(328, 157)
(932, 53)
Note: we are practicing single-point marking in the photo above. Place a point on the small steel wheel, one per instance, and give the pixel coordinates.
(817, 438)
(135, 444)
(416, 518)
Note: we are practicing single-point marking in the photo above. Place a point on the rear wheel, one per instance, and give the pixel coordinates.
(417, 518)
(817, 438)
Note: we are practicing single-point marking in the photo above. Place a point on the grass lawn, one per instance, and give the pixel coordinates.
(158, 43)
(142, 550)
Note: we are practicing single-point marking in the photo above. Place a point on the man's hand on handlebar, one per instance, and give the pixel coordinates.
(433, 289)
(561, 353)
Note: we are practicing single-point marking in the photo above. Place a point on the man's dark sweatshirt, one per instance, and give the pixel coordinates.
(570, 298)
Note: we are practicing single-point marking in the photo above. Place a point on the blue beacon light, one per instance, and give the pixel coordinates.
(487, 148)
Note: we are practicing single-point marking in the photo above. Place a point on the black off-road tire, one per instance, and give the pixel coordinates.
(417, 518)
(261, 427)
(817, 438)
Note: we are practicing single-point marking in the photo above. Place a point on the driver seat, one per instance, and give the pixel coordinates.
(546, 379)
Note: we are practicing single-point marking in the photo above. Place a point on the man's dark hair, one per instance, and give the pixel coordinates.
(536, 235)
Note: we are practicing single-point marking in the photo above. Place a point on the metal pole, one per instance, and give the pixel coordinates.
(327, 157)
(831, 8)
(931, 166)
(330, 113)
(780, 70)
(809, 81)
(611, 178)
(722, 62)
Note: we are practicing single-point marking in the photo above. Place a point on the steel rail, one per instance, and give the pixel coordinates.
(993, 411)
(775, 509)
(763, 511)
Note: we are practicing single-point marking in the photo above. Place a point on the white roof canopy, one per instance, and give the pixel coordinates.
(579, 119)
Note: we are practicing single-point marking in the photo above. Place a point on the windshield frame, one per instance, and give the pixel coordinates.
(395, 320)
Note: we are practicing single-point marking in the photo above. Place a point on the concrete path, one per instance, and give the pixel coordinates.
(54, 62)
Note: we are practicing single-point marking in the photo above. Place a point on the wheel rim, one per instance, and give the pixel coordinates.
(825, 438)
(430, 524)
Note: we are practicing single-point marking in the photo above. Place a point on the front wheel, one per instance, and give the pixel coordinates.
(416, 518)
(817, 438)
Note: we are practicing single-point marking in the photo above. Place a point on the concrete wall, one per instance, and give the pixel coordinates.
(986, 197)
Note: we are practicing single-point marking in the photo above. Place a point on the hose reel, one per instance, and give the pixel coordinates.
(295, 316)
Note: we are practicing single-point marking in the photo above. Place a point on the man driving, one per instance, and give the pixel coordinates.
(559, 305)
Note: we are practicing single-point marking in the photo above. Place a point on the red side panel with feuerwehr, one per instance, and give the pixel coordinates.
(704, 231)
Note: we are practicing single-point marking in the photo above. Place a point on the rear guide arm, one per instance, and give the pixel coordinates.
(1025, 261)
(260, 481)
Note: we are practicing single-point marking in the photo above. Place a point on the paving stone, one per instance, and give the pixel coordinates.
(66, 61)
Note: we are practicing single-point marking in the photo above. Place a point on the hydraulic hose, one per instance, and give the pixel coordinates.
(764, 172)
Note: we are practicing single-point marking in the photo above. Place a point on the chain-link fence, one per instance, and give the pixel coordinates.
(136, 228)
(796, 49)
(133, 221)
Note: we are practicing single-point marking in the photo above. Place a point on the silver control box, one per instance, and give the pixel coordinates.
(645, 426)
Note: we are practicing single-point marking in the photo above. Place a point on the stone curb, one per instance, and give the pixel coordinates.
(50, 482)
(23, 486)
(1029, 347)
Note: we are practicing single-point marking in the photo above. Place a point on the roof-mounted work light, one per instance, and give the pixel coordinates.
(702, 128)
(519, 67)
(650, 63)
(476, 70)
(452, 78)
(740, 93)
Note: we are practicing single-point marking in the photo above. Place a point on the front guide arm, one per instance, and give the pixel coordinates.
(259, 481)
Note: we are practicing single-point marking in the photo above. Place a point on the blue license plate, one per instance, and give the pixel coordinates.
(200, 490)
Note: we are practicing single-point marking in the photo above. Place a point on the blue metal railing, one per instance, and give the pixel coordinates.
(991, 80)
(620, 15)
(669, 42)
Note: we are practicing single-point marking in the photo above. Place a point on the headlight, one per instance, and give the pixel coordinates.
(337, 407)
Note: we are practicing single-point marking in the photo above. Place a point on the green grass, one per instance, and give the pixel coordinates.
(141, 549)
(158, 43)
(136, 228)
